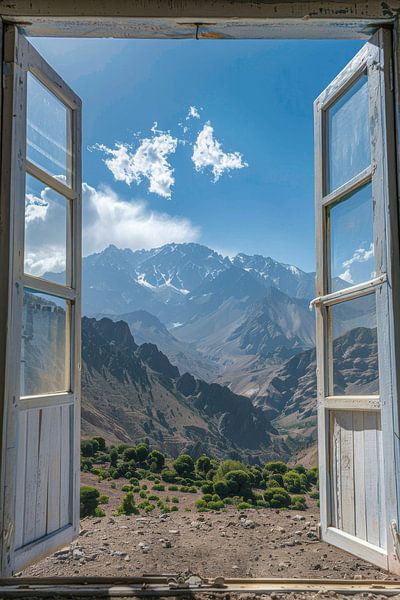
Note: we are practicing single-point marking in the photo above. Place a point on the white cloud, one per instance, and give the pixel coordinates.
(107, 219)
(149, 161)
(360, 255)
(207, 152)
(193, 113)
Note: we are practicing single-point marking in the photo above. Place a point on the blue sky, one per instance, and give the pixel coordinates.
(256, 95)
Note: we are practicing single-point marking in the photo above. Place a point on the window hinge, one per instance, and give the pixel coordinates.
(396, 538)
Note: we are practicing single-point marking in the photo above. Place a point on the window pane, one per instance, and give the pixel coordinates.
(48, 131)
(354, 349)
(351, 239)
(45, 231)
(349, 135)
(43, 352)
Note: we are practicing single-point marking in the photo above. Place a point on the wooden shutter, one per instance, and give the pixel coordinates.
(41, 171)
(356, 311)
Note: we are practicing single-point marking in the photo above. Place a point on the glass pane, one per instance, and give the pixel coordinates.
(349, 135)
(354, 349)
(352, 240)
(45, 231)
(43, 351)
(48, 131)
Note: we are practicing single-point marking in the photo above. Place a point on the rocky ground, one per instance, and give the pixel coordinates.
(250, 543)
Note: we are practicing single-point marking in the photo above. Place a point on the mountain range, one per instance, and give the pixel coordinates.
(236, 331)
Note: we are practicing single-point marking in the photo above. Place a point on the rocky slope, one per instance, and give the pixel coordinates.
(130, 392)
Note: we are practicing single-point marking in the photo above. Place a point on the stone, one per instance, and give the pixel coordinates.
(77, 554)
(298, 518)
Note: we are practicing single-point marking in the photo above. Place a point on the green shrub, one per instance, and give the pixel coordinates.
(173, 488)
(221, 488)
(298, 503)
(142, 452)
(312, 475)
(275, 480)
(113, 457)
(175, 500)
(129, 454)
(153, 497)
(144, 486)
(143, 494)
(136, 489)
(299, 469)
(103, 499)
(158, 487)
(134, 481)
(113, 485)
(216, 505)
(201, 503)
(89, 500)
(239, 484)
(261, 504)
(88, 448)
(128, 505)
(184, 465)
(174, 508)
(244, 505)
(203, 464)
(126, 488)
(149, 508)
(292, 482)
(314, 495)
(276, 467)
(226, 467)
(101, 442)
(207, 488)
(277, 497)
(157, 459)
(169, 475)
(99, 513)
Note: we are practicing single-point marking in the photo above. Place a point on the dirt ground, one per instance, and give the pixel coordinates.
(249, 543)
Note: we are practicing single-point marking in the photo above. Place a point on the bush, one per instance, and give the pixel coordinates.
(226, 467)
(244, 505)
(221, 488)
(292, 482)
(101, 442)
(203, 464)
(215, 505)
(312, 475)
(173, 488)
(207, 488)
(298, 503)
(126, 488)
(158, 487)
(299, 469)
(157, 459)
(314, 495)
(113, 457)
(277, 498)
(174, 508)
(153, 497)
(201, 504)
(87, 448)
(169, 475)
(89, 500)
(113, 485)
(175, 500)
(239, 484)
(142, 452)
(275, 480)
(128, 505)
(143, 494)
(276, 467)
(129, 454)
(184, 465)
(103, 499)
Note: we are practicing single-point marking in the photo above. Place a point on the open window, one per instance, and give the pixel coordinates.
(356, 230)
(41, 172)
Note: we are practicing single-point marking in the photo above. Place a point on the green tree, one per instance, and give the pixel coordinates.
(277, 497)
(203, 464)
(87, 448)
(113, 457)
(276, 467)
(89, 500)
(101, 442)
(128, 505)
(157, 459)
(226, 466)
(184, 465)
(239, 483)
(129, 454)
(142, 452)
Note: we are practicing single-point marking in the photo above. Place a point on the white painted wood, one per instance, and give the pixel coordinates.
(360, 467)
(359, 477)
(31, 475)
(41, 463)
(20, 489)
(54, 486)
(45, 452)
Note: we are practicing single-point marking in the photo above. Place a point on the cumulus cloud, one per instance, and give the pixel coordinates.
(361, 255)
(107, 219)
(193, 113)
(207, 152)
(148, 161)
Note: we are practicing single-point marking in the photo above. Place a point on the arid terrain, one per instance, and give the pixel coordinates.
(249, 543)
